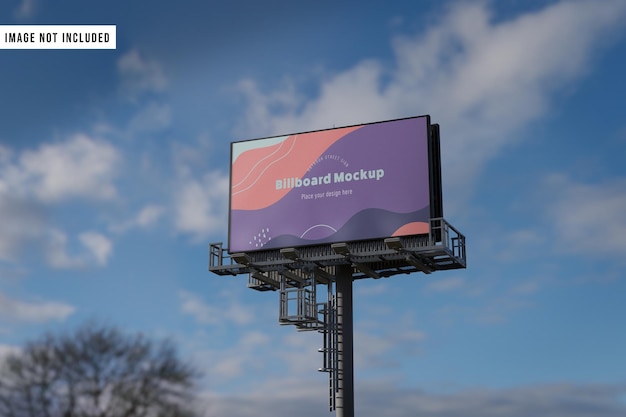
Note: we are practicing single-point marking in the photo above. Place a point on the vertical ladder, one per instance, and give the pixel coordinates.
(330, 349)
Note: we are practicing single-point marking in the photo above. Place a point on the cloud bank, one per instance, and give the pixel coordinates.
(483, 80)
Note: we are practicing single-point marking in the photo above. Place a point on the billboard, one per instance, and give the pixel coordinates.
(343, 184)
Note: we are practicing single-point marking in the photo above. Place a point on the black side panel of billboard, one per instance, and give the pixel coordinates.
(230, 187)
(436, 198)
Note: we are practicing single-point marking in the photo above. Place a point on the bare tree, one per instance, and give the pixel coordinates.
(97, 371)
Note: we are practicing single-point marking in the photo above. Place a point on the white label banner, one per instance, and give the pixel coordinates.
(58, 37)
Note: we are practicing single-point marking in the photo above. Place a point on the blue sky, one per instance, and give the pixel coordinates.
(114, 180)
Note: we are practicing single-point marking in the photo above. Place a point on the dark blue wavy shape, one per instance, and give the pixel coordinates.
(366, 224)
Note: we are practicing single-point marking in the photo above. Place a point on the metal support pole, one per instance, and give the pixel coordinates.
(345, 343)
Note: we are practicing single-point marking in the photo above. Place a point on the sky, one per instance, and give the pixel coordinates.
(114, 176)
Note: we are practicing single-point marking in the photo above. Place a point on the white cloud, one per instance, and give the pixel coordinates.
(490, 308)
(26, 225)
(371, 288)
(98, 245)
(235, 361)
(298, 351)
(5, 155)
(228, 367)
(203, 313)
(525, 288)
(147, 217)
(77, 167)
(255, 339)
(6, 350)
(307, 398)
(192, 156)
(154, 117)
(379, 350)
(33, 312)
(96, 249)
(139, 76)
(508, 248)
(194, 306)
(446, 284)
(499, 309)
(588, 218)
(481, 79)
(200, 195)
(25, 10)
(56, 251)
(200, 205)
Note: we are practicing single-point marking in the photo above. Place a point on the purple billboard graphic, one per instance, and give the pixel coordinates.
(361, 182)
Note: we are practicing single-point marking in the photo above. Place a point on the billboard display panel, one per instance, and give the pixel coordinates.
(338, 185)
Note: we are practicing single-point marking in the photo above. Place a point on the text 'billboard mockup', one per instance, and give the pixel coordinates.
(352, 183)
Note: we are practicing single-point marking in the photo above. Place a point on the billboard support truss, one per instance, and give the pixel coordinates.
(315, 287)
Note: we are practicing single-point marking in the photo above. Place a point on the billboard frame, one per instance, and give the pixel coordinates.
(434, 176)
